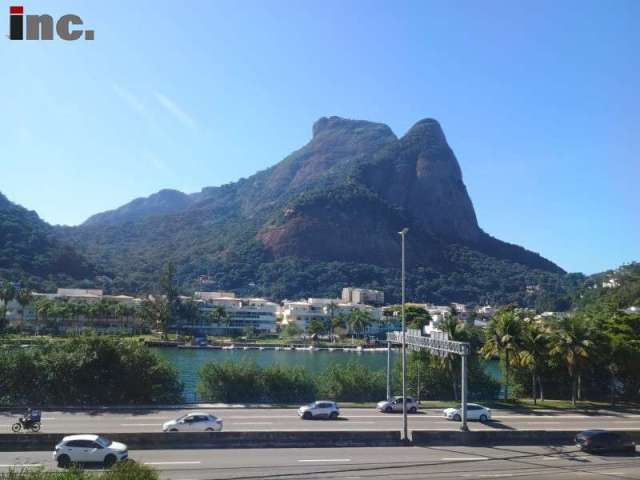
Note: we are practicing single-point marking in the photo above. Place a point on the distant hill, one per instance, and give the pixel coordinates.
(31, 249)
(163, 202)
(324, 217)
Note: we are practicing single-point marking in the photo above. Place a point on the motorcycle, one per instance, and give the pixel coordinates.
(26, 424)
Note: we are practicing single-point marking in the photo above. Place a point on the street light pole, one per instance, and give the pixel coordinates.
(388, 370)
(405, 435)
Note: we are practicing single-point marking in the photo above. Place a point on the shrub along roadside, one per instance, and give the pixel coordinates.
(246, 382)
(86, 370)
(231, 382)
(127, 470)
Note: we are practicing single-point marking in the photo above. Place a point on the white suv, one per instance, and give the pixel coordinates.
(89, 449)
(319, 409)
(193, 422)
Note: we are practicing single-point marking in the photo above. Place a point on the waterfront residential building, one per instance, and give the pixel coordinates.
(257, 314)
(362, 296)
(102, 317)
(213, 295)
(302, 312)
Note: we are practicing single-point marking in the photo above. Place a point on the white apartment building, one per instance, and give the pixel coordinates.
(257, 313)
(362, 296)
(302, 312)
(17, 315)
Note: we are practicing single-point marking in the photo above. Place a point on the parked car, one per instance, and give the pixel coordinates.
(593, 441)
(319, 409)
(474, 412)
(89, 449)
(193, 422)
(395, 405)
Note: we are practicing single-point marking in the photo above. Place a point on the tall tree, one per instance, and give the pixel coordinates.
(220, 317)
(534, 354)
(571, 343)
(24, 297)
(359, 320)
(455, 331)
(7, 293)
(156, 311)
(503, 339)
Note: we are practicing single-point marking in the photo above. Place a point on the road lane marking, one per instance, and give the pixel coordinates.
(148, 418)
(253, 423)
(326, 460)
(25, 465)
(140, 424)
(172, 463)
(463, 459)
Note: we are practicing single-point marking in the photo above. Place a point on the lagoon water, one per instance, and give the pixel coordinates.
(189, 361)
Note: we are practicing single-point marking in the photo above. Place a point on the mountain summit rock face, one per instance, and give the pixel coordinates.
(324, 217)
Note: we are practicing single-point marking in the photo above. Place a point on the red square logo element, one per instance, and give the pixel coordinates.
(16, 9)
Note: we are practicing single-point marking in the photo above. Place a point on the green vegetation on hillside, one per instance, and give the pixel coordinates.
(30, 250)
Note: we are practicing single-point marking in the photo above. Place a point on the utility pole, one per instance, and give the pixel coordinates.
(388, 370)
(405, 434)
(463, 413)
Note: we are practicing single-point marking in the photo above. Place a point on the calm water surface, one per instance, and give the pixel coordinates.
(189, 361)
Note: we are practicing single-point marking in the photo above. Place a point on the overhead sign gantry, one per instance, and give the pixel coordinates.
(439, 344)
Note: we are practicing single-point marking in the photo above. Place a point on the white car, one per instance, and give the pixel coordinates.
(319, 409)
(89, 449)
(395, 405)
(474, 412)
(193, 422)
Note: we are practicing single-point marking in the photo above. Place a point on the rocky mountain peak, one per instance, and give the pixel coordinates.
(344, 127)
(427, 133)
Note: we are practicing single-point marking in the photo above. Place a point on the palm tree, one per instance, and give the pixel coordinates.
(359, 320)
(121, 311)
(338, 323)
(534, 354)
(503, 339)
(24, 298)
(455, 331)
(219, 316)
(157, 311)
(331, 310)
(571, 343)
(7, 293)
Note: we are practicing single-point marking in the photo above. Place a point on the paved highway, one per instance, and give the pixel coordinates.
(245, 419)
(544, 463)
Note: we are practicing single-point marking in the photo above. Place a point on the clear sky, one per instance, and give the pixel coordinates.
(538, 98)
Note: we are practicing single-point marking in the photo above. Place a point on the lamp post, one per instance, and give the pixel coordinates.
(395, 314)
(405, 435)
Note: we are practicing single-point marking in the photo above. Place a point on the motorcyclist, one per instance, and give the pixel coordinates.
(30, 417)
(30, 421)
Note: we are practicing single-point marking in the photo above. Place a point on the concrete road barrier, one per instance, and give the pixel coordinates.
(179, 440)
(306, 439)
(502, 437)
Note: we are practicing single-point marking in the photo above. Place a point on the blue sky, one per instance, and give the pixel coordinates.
(539, 100)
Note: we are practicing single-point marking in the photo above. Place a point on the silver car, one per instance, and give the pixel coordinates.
(474, 412)
(194, 422)
(319, 409)
(395, 405)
